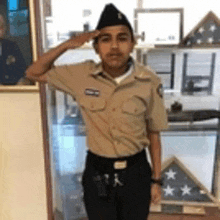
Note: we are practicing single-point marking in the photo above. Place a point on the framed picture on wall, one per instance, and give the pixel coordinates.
(17, 49)
(159, 27)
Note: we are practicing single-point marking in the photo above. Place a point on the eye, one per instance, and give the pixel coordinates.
(123, 38)
(104, 39)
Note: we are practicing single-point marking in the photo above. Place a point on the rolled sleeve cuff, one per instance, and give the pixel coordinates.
(158, 125)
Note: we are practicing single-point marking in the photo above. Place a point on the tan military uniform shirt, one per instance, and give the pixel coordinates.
(117, 116)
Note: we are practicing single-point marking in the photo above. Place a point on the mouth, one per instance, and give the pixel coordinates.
(114, 55)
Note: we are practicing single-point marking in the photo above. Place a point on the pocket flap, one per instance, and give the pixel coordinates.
(133, 106)
(93, 103)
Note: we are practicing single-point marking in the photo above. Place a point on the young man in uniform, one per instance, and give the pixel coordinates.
(122, 106)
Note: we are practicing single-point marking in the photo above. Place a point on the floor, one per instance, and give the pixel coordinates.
(212, 213)
(73, 203)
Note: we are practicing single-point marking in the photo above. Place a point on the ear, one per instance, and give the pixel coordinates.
(135, 42)
(95, 46)
(133, 45)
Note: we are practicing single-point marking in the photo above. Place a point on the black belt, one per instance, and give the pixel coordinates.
(108, 165)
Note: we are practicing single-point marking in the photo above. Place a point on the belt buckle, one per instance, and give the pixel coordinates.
(119, 165)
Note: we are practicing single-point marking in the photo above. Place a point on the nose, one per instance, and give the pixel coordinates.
(114, 43)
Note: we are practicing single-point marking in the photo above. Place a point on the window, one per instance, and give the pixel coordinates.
(163, 63)
(198, 71)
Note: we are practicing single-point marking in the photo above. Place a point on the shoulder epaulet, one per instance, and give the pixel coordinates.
(146, 73)
(89, 62)
(84, 66)
(152, 73)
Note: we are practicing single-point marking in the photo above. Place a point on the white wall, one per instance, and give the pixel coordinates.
(22, 175)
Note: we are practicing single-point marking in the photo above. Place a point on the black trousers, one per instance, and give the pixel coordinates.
(128, 192)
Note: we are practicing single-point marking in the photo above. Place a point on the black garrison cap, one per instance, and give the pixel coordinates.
(111, 16)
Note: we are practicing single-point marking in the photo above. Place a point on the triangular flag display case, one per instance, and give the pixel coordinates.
(182, 192)
(205, 34)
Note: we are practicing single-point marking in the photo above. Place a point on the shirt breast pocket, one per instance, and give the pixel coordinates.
(134, 106)
(133, 117)
(93, 104)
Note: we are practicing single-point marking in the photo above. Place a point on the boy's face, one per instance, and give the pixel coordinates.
(114, 46)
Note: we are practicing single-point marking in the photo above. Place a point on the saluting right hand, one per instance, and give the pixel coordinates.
(79, 40)
(36, 72)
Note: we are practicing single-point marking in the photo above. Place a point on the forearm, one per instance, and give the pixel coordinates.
(37, 70)
(45, 62)
(155, 153)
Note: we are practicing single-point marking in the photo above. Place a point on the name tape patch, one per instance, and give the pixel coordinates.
(92, 92)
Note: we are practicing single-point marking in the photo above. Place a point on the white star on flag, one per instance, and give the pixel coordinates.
(213, 28)
(201, 30)
(185, 190)
(170, 174)
(210, 40)
(185, 186)
(199, 41)
(188, 43)
(202, 192)
(168, 190)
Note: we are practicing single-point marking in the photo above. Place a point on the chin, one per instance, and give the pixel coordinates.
(116, 64)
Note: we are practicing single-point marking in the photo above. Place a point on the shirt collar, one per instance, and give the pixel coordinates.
(125, 75)
(139, 71)
(97, 69)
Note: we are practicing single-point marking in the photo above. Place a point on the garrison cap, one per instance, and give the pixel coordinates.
(111, 16)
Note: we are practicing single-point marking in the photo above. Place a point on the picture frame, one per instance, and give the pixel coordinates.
(21, 29)
(159, 27)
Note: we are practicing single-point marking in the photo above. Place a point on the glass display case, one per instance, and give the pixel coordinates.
(192, 145)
